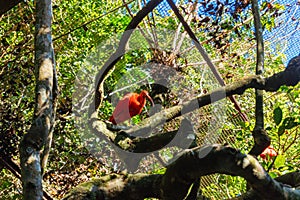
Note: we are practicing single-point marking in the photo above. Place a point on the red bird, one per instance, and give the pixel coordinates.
(130, 105)
(269, 152)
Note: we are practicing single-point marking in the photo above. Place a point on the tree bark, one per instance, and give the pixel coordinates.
(7, 5)
(261, 138)
(39, 135)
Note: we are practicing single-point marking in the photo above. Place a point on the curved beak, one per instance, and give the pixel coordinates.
(150, 99)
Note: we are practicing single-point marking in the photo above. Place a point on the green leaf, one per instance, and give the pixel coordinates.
(292, 125)
(289, 122)
(277, 115)
(280, 161)
(281, 130)
(273, 174)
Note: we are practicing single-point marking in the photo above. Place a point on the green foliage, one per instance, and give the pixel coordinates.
(277, 113)
(283, 127)
(10, 186)
(106, 110)
(280, 161)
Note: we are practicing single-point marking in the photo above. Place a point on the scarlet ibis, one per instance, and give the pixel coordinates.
(130, 105)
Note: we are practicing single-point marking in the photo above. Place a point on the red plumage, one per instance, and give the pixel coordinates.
(130, 105)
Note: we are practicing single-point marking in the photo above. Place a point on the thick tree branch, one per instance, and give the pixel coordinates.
(261, 139)
(141, 144)
(226, 160)
(118, 186)
(290, 180)
(43, 121)
(179, 176)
